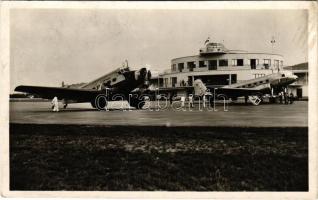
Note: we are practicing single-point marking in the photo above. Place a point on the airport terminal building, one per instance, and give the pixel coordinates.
(217, 66)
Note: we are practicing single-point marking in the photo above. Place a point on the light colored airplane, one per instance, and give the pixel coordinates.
(254, 89)
(120, 84)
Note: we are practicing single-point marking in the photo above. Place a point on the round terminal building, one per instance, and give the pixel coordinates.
(217, 66)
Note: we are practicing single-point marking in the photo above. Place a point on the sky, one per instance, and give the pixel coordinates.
(48, 46)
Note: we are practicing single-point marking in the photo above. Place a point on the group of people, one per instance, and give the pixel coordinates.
(190, 101)
(286, 98)
(205, 101)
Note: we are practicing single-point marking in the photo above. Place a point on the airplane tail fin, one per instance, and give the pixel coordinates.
(199, 88)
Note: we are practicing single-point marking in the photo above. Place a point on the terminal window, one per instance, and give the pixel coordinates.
(173, 81)
(202, 64)
(190, 66)
(174, 67)
(267, 63)
(213, 64)
(240, 62)
(276, 64)
(223, 63)
(237, 62)
(180, 66)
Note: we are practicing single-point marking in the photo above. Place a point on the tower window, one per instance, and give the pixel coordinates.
(202, 64)
(223, 62)
(240, 62)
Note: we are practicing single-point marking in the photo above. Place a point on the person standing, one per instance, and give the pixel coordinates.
(190, 101)
(204, 101)
(182, 101)
(171, 98)
(55, 104)
(286, 97)
(280, 97)
(291, 98)
(283, 97)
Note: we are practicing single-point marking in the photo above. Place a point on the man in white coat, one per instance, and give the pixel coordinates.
(182, 102)
(55, 104)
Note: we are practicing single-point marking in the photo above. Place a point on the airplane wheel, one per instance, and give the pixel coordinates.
(93, 103)
(100, 102)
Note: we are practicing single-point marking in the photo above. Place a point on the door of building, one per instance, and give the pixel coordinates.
(299, 92)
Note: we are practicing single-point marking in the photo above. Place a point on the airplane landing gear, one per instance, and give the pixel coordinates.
(93, 104)
(100, 102)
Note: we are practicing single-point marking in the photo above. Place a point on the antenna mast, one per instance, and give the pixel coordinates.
(273, 42)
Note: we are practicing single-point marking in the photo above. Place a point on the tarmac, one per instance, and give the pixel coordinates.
(236, 115)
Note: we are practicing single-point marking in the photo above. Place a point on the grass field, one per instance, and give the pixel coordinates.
(113, 158)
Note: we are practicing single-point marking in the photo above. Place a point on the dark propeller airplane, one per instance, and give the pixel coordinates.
(120, 84)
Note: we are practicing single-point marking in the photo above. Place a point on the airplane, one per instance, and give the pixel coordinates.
(254, 89)
(120, 84)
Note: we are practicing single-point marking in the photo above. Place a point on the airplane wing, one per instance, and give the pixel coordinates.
(237, 92)
(59, 92)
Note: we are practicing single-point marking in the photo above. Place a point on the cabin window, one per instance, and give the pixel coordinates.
(223, 62)
(202, 64)
(114, 79)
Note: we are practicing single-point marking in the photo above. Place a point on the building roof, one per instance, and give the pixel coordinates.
(301, 66)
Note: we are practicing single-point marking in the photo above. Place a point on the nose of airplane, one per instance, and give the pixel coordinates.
(292, 78)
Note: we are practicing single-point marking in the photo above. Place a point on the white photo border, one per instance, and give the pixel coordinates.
(311, 6)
